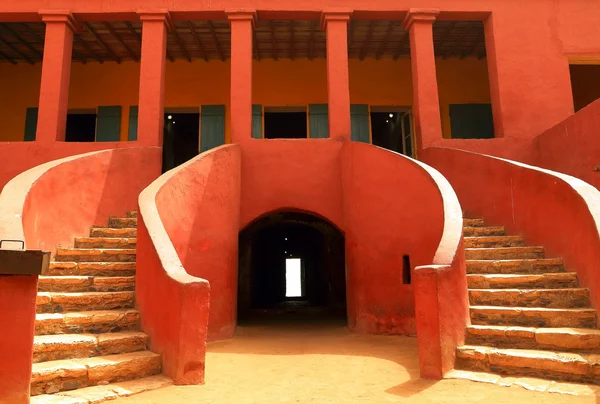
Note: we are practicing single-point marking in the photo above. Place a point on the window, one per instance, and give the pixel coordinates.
(81, 126)
(471, 121)
(293, 277)
(285, 123)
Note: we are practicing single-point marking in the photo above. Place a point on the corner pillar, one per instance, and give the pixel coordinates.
(426, 102)
(56, 74)
(335, 25)
(242, 23)
(155, 25)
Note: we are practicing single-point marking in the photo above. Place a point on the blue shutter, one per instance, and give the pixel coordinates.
(359, 117)
(318, 121)
(133, 123)
(212, 127)
(109, 124)
(31, 118)
(257, 121)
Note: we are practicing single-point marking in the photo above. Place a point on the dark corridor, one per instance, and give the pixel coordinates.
(181, 139)
(266, 248)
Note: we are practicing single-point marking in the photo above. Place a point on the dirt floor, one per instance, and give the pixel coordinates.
(324, 363)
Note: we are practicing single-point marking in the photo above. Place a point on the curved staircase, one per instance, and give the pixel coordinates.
(529, 317)
(88, 346)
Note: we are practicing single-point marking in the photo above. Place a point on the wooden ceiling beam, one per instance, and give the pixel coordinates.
(386, 39)
(180, 44)
(101, 42)
(455, 43)
(363, 50)
(255, 44)
(311, 41)
(471, 48)
(214, 35)
(38, 37)
(17, 51)
(273, 41)
(198, 41)
(437, 48)
(114, 33)
(6, 57)
(24, 42)
(292, 41)
(401, 45)
(86, 46)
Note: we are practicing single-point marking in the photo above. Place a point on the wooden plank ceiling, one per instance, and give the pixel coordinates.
(119, 41)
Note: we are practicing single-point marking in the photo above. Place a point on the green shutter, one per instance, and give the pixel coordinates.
(31, 118)
(359, 119)
(108, 124)
(213, 127)
(133, 123)
(471, 121)
(257, 121)
(318, 121)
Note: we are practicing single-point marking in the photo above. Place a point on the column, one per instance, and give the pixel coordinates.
(426, 103)
(242, 23)
(56, 73)
(335, 25)
(155, 25)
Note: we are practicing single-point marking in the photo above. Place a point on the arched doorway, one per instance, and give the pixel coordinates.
(291, 265)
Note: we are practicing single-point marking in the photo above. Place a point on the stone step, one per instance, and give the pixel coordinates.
(504, 253)
(109, 232)
(132, 213)
(105, 242)
(494, 241)
(61, 302)
(91, 322)
(473, 223)
(85, 283)
(533, 317)
(510, 281)
(61, 375)
(71, 346)
(562, 366)
(98, 394)
(556, 339)
(516, 266)
(122, 222)
(548, 298)
(483, 231)
(95, 255)
(111, 269)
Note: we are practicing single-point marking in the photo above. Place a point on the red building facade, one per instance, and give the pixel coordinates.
(388, 209)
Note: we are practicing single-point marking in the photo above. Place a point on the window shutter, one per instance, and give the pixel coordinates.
(257, 121)
(318, 121)
(212, 127)
(108, 127)
(31, 118)
(133, 123)
(359, 117)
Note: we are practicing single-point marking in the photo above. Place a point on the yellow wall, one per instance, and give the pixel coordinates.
(275, 83)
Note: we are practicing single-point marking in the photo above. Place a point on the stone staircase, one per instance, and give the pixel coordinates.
(88, 346)
(529, 317)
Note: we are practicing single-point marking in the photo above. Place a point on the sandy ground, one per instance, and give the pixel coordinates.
(325, 363)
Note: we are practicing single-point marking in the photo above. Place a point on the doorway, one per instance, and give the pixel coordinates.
(81, 126)
(181, 141)
(291, 264)
(285, 123)
(391, 128)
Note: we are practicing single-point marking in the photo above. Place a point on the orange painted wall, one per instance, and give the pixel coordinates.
(275, 83)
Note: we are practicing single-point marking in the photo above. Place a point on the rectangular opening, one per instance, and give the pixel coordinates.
(391, 129)
(471, 121)
(585, 84)
(81, 126)
(181, 141)
(285, 123)
(406, 270)
(293, 277)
